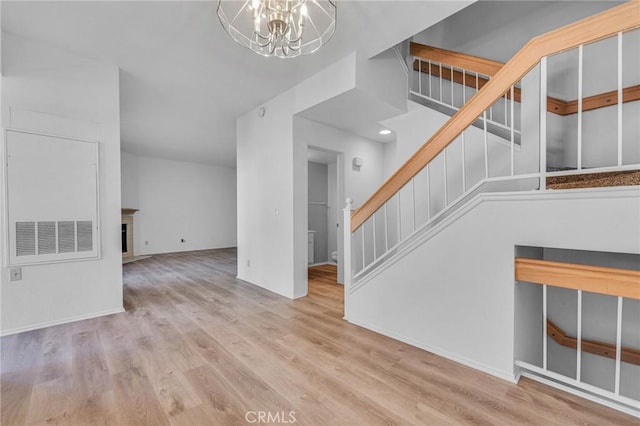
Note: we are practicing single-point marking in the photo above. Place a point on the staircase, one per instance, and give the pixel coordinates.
(429, 258)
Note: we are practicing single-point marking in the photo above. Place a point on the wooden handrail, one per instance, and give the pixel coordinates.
(605, 24)
(554, 105)
(594, 279)
(477, 64)
(595, 347)
(629, 94)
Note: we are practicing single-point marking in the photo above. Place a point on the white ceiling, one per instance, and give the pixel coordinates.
(355, 112)
(183, 80)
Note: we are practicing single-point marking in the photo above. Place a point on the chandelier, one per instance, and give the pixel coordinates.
(281, 28)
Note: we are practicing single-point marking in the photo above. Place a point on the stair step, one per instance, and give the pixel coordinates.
(594, 180)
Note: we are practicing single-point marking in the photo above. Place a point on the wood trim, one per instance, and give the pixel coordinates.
(605, 24)
(594, 279)
(477, 64)
(554, 105)
(128, 211)
(601, 100)
(595, 347)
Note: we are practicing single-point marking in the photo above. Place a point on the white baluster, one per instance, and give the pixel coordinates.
(364, 253)
(486, 145)
(506, 109)
(544, 326)
(513, 139)
(464, 86)
(386, 228)
(373, 218)
(399, 219)
(618, 346)
(620, 95)
(464, 177)
(420, 76)
(580, 81)
(453, 104)
(428, 191)
(543, 123)
(413, 196)
(440, 75)
(430, 95)
(579, 338)
(446, 196)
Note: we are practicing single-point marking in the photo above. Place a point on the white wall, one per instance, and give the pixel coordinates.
(81, 96)
(129, 183)
(453, 294)
(272, 172)
(179, 200)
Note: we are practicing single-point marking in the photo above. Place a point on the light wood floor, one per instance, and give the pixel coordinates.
(198, 347)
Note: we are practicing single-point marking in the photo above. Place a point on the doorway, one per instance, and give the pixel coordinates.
(323, 214)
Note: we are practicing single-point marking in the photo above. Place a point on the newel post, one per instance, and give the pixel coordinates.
(346, 250)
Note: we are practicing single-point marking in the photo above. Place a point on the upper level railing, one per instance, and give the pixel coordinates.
(445, 80)
(435, 65)
(619, 19)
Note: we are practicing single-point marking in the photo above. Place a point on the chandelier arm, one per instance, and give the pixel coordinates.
(300, 33)
(261, 36)
(265, 44)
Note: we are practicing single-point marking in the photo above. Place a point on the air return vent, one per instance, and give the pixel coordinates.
(85, 235)
(51, 238)
(46, 237)
(66, 237)
(25, 238)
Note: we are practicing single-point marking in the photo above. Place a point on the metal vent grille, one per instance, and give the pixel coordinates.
(85, 235)
(46, 237)
(51, 237)
(25, 238)
(66, 237)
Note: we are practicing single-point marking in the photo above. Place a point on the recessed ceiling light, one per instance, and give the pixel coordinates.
(385, 132)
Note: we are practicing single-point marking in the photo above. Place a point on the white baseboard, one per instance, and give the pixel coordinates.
(60, 322)
(288, 296)
(586, 395)
(512, 378)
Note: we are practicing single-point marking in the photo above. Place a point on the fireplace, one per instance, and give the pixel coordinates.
(127, 233)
